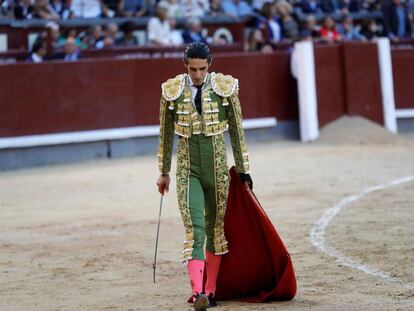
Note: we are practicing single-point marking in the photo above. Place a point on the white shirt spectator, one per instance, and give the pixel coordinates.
(177, 37)
(276, 31)
(159, 32)
(195, 8)
(86, 8)
(174, 9)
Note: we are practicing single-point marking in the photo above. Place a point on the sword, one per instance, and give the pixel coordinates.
(154, 265)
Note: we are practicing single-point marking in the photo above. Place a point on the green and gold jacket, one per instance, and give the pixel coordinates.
(220, 111)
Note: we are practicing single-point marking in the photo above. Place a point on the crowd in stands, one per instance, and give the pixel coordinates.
(269, 21)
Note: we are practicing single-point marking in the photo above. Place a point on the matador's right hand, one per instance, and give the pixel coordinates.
(163, 183)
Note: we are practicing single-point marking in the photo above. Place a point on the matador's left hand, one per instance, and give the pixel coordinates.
(247, 179)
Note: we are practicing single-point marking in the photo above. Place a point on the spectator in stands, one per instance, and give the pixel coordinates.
(193, 31)
(268, 23)
(410, 7)
(328, 30)
(174, 9)
(111, 8)
(352, 6)
(69, 33)
(290, 28)
(85, 8)
(311, 30)
(38, 51)
(5, 8)
(257, 5)
(159, 28)
(310, 6)
(59, 7)
(176, 36)
(109, 38)
(133, 8)
(396, 20)
(216, 8)
(372, 5)
(54, 32)
(330, 6)
(128, 38)
(23, 9)
(71, 51)
(257, 42)
(237, 8)
(370, 30)
(93, 36)
(348, 31)
(195, 8)
(43, 10)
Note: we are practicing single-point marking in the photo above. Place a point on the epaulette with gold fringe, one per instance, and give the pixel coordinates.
(224, 85)
(172, 88)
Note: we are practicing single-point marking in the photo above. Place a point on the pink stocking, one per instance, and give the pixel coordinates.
(212, 266)
(195, 270)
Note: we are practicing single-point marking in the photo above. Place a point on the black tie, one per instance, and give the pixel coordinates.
(197, 99)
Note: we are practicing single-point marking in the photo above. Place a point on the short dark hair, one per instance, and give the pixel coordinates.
(38, 44)
(197, 50)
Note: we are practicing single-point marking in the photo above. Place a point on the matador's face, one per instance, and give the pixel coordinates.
(197, 69)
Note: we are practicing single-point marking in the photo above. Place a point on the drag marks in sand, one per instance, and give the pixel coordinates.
(318, 231)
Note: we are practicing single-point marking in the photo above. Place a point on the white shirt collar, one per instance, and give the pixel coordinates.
(191, 83)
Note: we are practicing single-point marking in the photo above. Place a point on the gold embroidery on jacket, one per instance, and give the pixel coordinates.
(222, 188)
(166, 138)
(236, 132)
(183, 180)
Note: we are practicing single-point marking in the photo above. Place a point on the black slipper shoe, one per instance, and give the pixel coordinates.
(201, 302)
(211, 301)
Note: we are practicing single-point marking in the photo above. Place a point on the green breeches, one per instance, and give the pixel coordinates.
(202, 189)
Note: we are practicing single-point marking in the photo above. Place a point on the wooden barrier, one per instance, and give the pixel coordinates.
(86, 95)
(403, 68)
(330, 81)
(348, 82)
(98, 94)
(362, 81)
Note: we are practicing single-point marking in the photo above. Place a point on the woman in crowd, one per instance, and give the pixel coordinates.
(328, 31)
(290, 27)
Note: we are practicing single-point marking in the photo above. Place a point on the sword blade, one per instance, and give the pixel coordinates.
(154, 265)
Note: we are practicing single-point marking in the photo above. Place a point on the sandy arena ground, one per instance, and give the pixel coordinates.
(81, 236)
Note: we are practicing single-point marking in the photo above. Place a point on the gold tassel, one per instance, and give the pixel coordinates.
(171, 106)
(225, 102)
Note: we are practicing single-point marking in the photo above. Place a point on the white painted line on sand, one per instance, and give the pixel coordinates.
(318, 231)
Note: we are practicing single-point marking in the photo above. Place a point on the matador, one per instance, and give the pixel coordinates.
(199, 107)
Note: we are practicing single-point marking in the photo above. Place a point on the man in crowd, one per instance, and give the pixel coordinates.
(397, 23)
(159, 28)
(193, 32)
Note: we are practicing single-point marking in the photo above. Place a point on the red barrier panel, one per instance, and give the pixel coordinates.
(362, 81)
(330, 83)
(403, 68)
(348, 82)
(86, 95)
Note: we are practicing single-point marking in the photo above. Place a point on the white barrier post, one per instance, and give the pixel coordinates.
(303, 68)
(387, 84)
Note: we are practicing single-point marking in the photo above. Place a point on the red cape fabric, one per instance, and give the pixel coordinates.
(258, 267)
